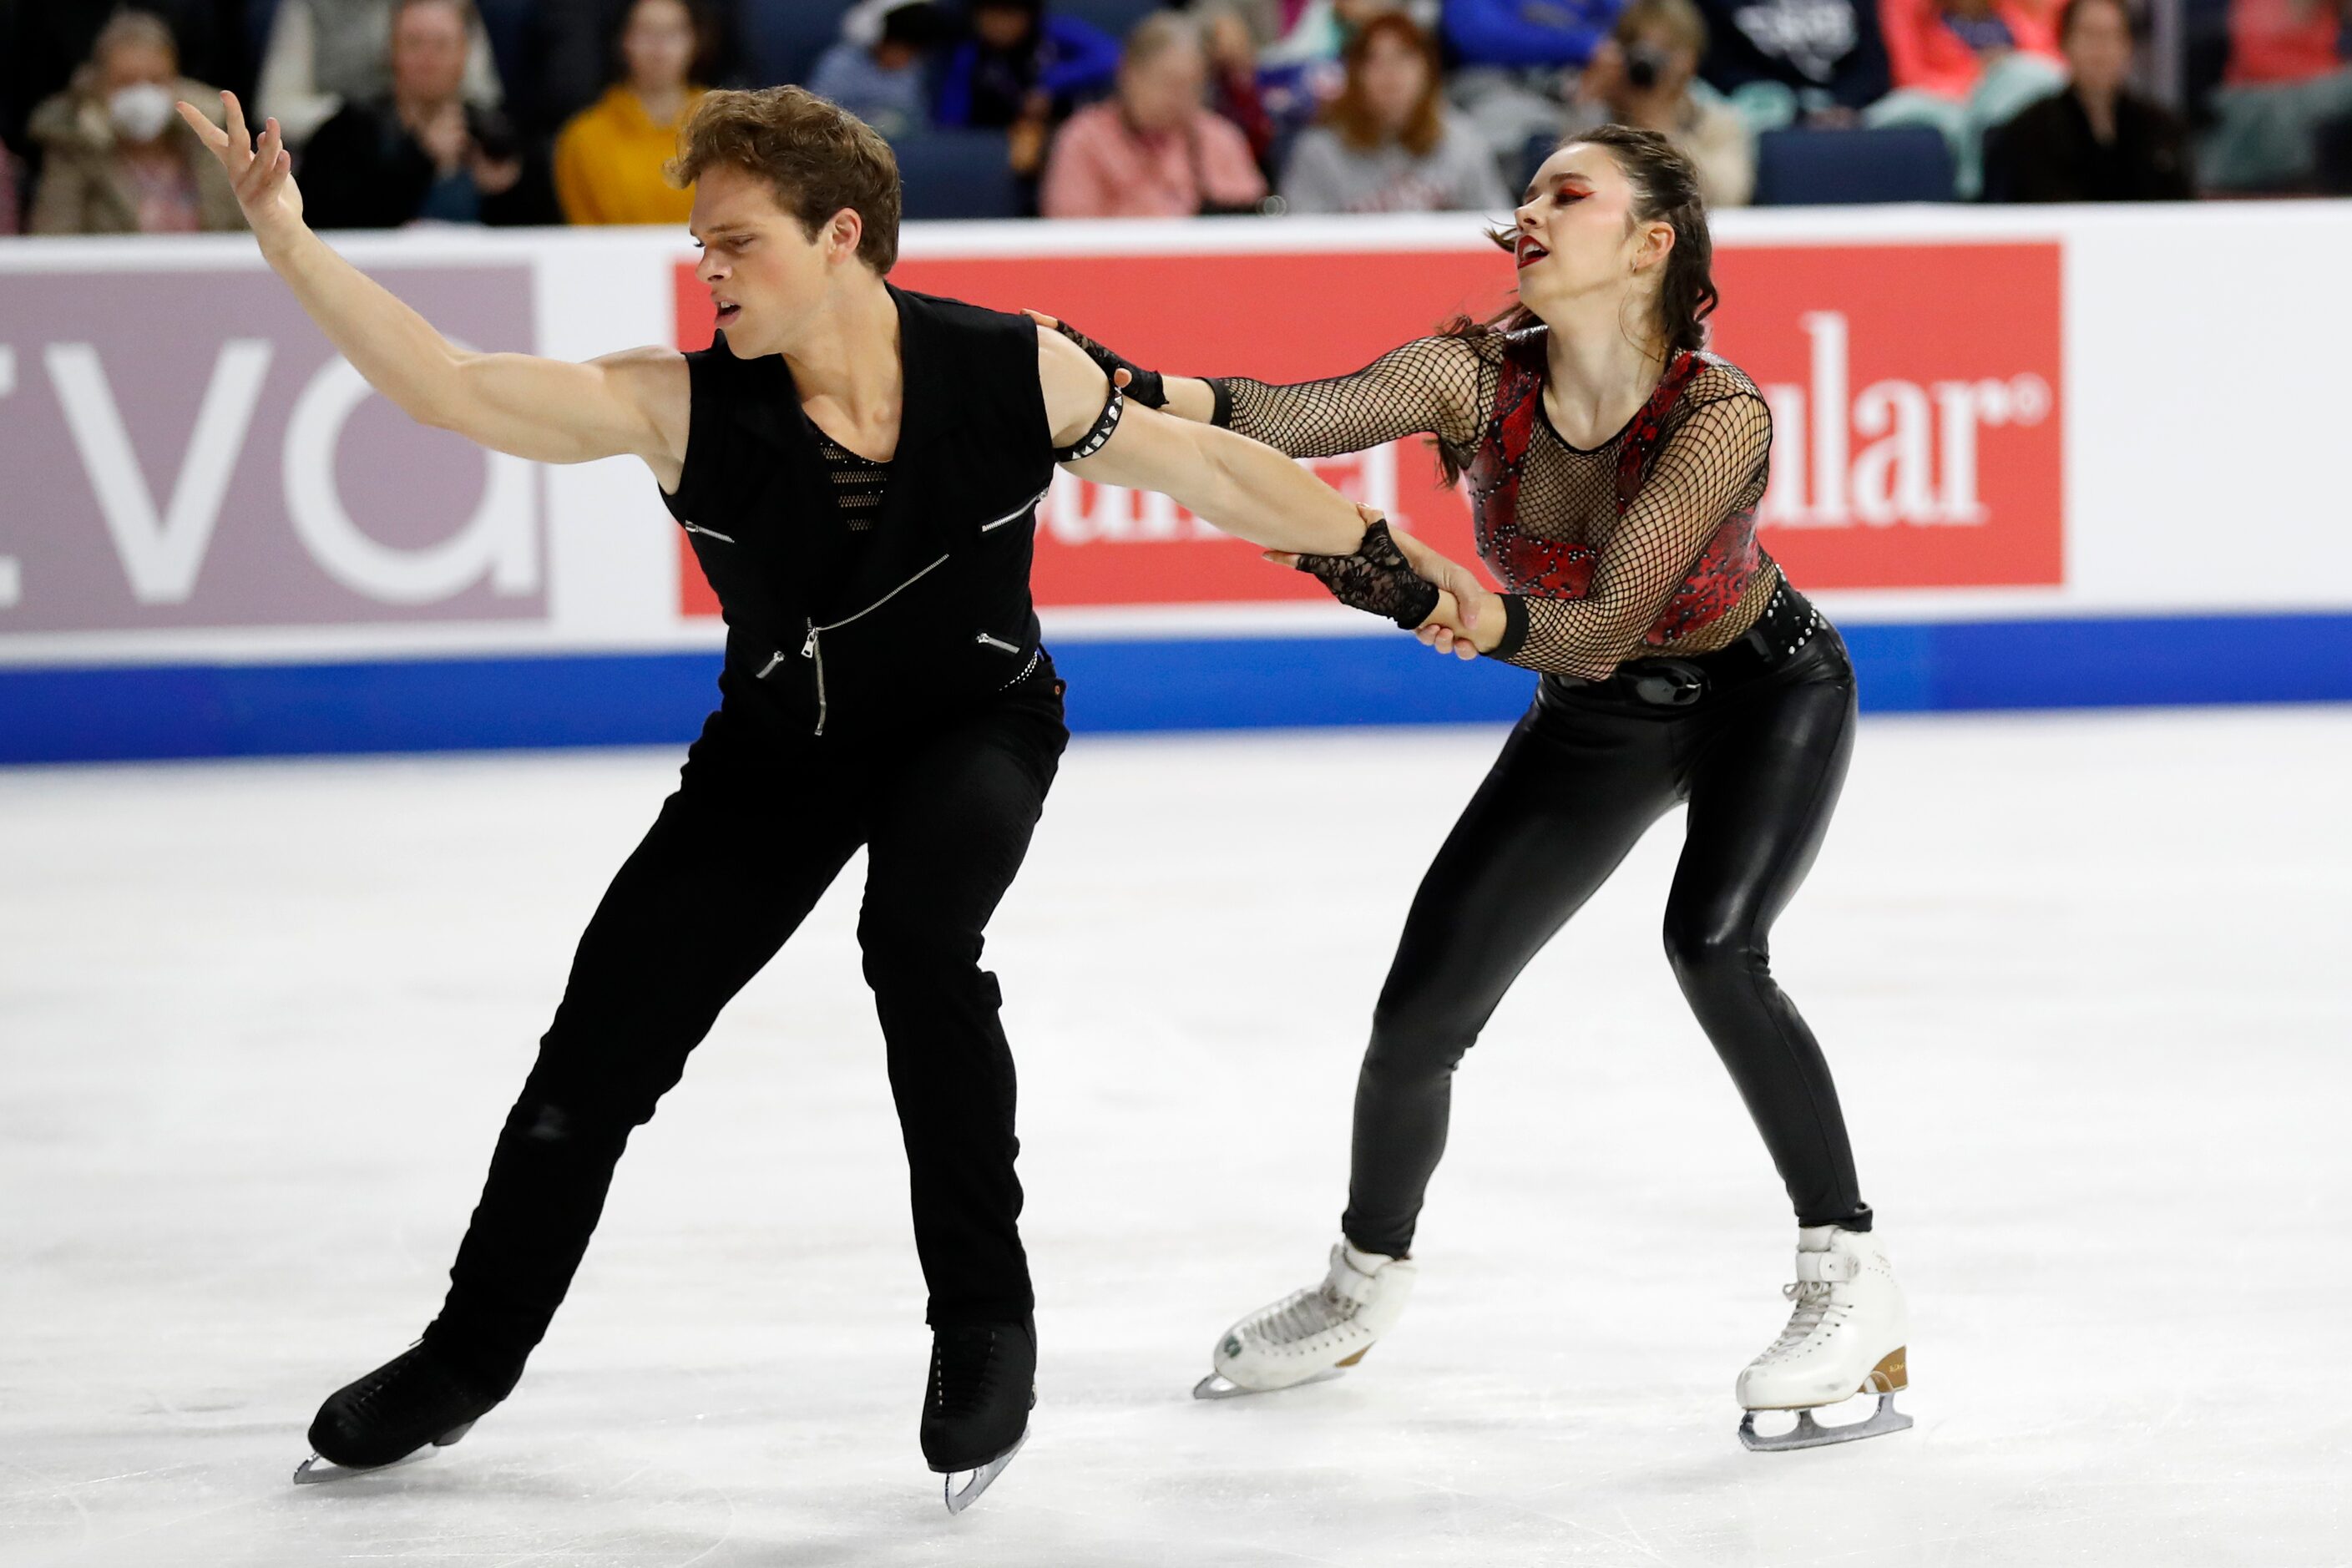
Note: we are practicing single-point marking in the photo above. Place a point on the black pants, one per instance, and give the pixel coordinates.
(1582, 777)
(739, 855)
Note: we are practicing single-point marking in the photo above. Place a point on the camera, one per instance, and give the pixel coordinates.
(1645, 63)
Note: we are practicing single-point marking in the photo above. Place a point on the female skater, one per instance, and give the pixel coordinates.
(1614, 470)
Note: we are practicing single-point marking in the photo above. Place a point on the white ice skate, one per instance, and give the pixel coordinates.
(1848, 1336)
(1316, 1333)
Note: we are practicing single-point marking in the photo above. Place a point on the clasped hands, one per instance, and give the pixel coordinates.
(1468, 619)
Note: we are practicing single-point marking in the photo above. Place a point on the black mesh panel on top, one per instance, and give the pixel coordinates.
(858, 483)
(1590, 585)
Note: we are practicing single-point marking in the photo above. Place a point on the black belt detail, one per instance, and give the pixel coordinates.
(1786, 629)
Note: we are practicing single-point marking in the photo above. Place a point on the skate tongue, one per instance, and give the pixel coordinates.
(1825, 1268)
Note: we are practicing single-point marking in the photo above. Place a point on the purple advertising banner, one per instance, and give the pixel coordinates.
(184, 449)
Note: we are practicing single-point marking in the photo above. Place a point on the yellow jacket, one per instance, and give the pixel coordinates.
(608, 163)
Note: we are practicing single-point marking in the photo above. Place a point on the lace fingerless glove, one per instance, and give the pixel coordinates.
(1145, 386)
(1376, 578)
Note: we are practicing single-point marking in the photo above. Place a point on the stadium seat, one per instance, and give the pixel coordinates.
(958, 174)
(1112, 17)
(783, 38)
(1845, 168)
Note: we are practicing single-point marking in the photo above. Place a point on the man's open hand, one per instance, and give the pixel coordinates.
(263, 174)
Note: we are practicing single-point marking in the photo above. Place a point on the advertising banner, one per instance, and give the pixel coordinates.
(192, 452)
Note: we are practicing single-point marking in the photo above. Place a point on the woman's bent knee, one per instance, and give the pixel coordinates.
(1711, 951)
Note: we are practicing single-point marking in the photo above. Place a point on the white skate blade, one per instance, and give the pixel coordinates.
(1809, 1433)
(961, 1499)
(311, 1472)
(318, 1467)
(1217, 1385)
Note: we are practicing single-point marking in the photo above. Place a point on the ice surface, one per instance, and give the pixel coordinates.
(2083, 980)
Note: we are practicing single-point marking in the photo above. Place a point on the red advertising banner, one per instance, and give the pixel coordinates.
(1917, 434)
(1914, 387)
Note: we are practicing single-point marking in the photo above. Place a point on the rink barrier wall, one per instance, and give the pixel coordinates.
(125, 713)
(2023, 458)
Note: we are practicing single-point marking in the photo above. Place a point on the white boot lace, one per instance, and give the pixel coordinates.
(1303, 1316)
(1814, 1304)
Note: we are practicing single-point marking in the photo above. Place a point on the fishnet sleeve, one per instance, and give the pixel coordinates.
(1430, 386)
(1702, 470)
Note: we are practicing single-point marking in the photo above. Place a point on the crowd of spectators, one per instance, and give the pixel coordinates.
(537, 111)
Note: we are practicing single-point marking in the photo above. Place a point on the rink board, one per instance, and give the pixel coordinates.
(125, 712)
(2023, 458)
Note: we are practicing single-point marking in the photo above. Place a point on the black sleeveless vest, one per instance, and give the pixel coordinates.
(933, 612)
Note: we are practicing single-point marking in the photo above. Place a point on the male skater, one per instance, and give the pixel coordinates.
(859, 468)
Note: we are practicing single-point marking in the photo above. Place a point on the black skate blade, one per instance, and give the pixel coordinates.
(1217, 1385)
(1809, 1433)
(961, 1498)
(318, 1467)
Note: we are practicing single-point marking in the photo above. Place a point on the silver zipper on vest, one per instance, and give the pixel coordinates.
(697, 528)
(1016, 512)
(1034, 659)
(999, 644)
(813, 647)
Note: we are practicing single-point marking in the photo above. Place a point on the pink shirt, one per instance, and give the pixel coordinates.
(2281, 41)
(1100, 168)
(165, 192)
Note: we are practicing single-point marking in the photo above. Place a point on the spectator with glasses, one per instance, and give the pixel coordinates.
(324, 55)
(425, 152)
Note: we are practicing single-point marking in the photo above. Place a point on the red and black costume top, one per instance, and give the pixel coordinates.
(1641, 547)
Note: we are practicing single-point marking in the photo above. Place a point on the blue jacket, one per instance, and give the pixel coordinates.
(1527, 32)
(1074, 61)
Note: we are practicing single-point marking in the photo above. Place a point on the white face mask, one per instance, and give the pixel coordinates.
(140, 112)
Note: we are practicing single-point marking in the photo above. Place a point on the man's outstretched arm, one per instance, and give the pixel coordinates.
(633, 404)
(1248, 490)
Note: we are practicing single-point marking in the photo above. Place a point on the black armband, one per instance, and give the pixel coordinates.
(1515, 627)
(1221, 416)
(1087, 444)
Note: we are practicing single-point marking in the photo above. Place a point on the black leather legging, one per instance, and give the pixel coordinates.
(1586, 773)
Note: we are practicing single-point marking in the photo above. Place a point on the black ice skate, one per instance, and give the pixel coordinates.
(976, 1411)
(415, 1399)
